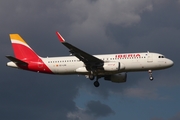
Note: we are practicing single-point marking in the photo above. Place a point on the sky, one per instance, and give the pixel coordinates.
(97, 27)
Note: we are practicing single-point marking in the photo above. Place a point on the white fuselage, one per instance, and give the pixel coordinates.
(131, 62)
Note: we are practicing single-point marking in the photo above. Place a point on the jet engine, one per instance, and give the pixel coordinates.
(113, 66)
(117, 78)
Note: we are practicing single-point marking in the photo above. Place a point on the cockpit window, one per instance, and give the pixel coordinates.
(161, 56)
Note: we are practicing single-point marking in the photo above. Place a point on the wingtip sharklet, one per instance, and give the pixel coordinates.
(60, 37)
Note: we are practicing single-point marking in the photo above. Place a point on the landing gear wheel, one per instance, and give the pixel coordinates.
(150, 75)
(151, 78)
(96, 84)
(91, 77)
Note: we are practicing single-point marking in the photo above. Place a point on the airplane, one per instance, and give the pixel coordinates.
(111, 67)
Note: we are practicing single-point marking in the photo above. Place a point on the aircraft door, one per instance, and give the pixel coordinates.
(149, 57)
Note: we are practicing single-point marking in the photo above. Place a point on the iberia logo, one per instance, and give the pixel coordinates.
(127, 55)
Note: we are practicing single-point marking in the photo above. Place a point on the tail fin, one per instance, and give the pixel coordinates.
(22, 50)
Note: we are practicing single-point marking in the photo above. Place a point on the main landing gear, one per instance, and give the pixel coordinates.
(150, 75)
(91, 77)
(96, 83)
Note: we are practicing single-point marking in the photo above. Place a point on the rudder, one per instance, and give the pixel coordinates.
(21, 49)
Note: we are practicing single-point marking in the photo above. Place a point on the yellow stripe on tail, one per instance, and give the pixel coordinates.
(17, 37)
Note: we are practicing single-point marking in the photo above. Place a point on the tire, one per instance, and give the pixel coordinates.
(151, 78)
(96, 84)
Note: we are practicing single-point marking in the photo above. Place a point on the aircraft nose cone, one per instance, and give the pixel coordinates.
(171, 63)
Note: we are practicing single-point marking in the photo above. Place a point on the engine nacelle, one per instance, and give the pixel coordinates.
(117, 78)
(81, 70)
(113, 66)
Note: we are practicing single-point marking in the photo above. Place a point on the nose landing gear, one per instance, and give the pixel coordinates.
(150, 75)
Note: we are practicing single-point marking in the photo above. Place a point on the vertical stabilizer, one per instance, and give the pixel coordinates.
(22, 50)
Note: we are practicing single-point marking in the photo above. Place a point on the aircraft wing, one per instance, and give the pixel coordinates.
(89, 60)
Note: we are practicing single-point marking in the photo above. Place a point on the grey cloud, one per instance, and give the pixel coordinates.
(156, 119)
(144, 89)
(93, 110)
(101, 14)
(98, 109)
(176, 117)
(79, 115)
(36, 97)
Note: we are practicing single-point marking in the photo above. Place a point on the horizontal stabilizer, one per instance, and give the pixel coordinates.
(17, 61)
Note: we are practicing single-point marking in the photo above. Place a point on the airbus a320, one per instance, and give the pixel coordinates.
(111, 67)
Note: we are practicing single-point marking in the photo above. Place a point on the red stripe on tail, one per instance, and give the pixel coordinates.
(23, 52)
